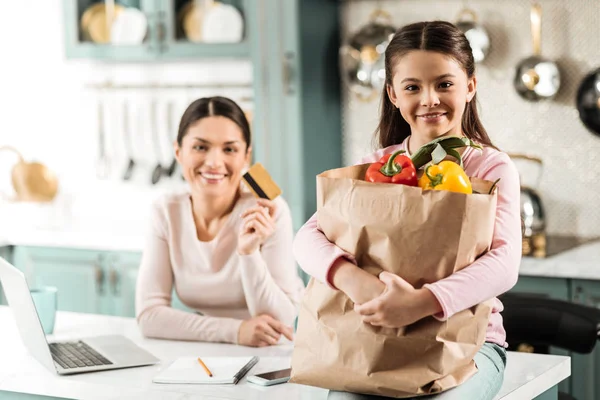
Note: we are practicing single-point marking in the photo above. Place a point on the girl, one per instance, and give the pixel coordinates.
(430, 92)
(228, 255)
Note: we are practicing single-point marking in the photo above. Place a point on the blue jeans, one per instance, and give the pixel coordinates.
(484, 385)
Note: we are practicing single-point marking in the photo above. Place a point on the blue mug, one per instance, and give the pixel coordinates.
(45, 300)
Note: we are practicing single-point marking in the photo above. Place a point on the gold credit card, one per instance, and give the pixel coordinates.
(260, 182)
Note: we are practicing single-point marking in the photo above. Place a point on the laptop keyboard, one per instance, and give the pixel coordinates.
(76, 355)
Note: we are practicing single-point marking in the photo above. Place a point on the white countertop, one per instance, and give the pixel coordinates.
(527, 375)
(120, 238)
(582, 262)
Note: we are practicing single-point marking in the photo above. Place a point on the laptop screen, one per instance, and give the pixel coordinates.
(20, 302)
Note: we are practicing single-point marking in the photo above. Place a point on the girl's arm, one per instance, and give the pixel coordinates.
(496, 271)
(156, 318)
(331, 265)
(269, 276)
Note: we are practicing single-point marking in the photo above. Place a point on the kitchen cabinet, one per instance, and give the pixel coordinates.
(6, 253)
(163, 41)
(586, 367)
(583, 383)
(172, 43)
(550, 287)
(554, 288)
(88, 281)
(81, 276)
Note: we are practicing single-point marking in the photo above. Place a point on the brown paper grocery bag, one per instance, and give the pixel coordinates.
(423, 236)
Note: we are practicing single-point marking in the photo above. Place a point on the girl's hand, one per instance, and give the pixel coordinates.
(399, 305)
(359, 285)
(257, 225)
(262, 331)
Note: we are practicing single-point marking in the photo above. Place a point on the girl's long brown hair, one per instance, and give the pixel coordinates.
(442, 37)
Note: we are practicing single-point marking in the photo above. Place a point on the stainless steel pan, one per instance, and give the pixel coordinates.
(537, 78)
(476, 34)
(588, 101)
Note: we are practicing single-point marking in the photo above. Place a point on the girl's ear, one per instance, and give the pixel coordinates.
(471, 88)
(391, 94)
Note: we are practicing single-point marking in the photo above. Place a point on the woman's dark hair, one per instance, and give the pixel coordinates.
(442, 37)
(211, 107)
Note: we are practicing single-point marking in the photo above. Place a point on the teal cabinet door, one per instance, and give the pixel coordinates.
(122, 269)
(78, 275)
(175, 44)
(86, 32)
(586, 367)
(549, 287)
(6, 253)
(554, 288)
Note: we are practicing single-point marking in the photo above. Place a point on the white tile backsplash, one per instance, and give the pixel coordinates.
(550, 130)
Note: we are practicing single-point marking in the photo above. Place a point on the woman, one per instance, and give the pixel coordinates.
(228, 254)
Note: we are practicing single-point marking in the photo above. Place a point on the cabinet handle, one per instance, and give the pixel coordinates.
(150, 36)
(99, 272)
(577, 295)
(288, 73)
(114, 281)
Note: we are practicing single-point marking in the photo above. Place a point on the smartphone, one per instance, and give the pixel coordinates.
(271, 378)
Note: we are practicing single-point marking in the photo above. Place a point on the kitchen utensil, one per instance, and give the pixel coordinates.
(192, 17)
(222, 23)
(588, 101)
(96, 21)
(158, 170)
(128, 143)
(476, 34)
(537, 78)
(102, 163)
(32, 181)
(129, 28)
(362, 57)
(170, 128)
(533, 215)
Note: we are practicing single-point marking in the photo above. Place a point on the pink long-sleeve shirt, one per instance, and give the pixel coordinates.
(211, 277)
(489, 276)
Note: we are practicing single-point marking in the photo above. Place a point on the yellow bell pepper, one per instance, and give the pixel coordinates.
(447, 175)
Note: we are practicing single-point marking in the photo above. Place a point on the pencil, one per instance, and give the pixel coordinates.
(205, 367)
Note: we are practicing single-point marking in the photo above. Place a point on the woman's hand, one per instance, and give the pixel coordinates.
(262, 331)
(257, 225)
(399, 305)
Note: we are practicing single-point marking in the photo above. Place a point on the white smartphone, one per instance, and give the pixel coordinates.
(271, 378)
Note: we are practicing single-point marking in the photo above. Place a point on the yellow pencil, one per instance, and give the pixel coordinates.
(205, 367)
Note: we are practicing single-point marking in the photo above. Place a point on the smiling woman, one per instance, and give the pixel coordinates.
(227, 254)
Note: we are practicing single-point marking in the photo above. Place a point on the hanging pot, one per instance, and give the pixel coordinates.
(478, 38)
(32, 181)
(362, 58)
(588, 101)
(537, 78)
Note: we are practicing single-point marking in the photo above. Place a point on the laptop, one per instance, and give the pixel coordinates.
(98, 353)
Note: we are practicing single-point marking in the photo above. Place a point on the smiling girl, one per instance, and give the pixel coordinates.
(430, 92)
(227, 254)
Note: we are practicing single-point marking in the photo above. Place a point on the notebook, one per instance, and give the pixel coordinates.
(225, 370)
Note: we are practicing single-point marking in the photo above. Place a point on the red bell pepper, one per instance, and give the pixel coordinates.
(393, 168)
